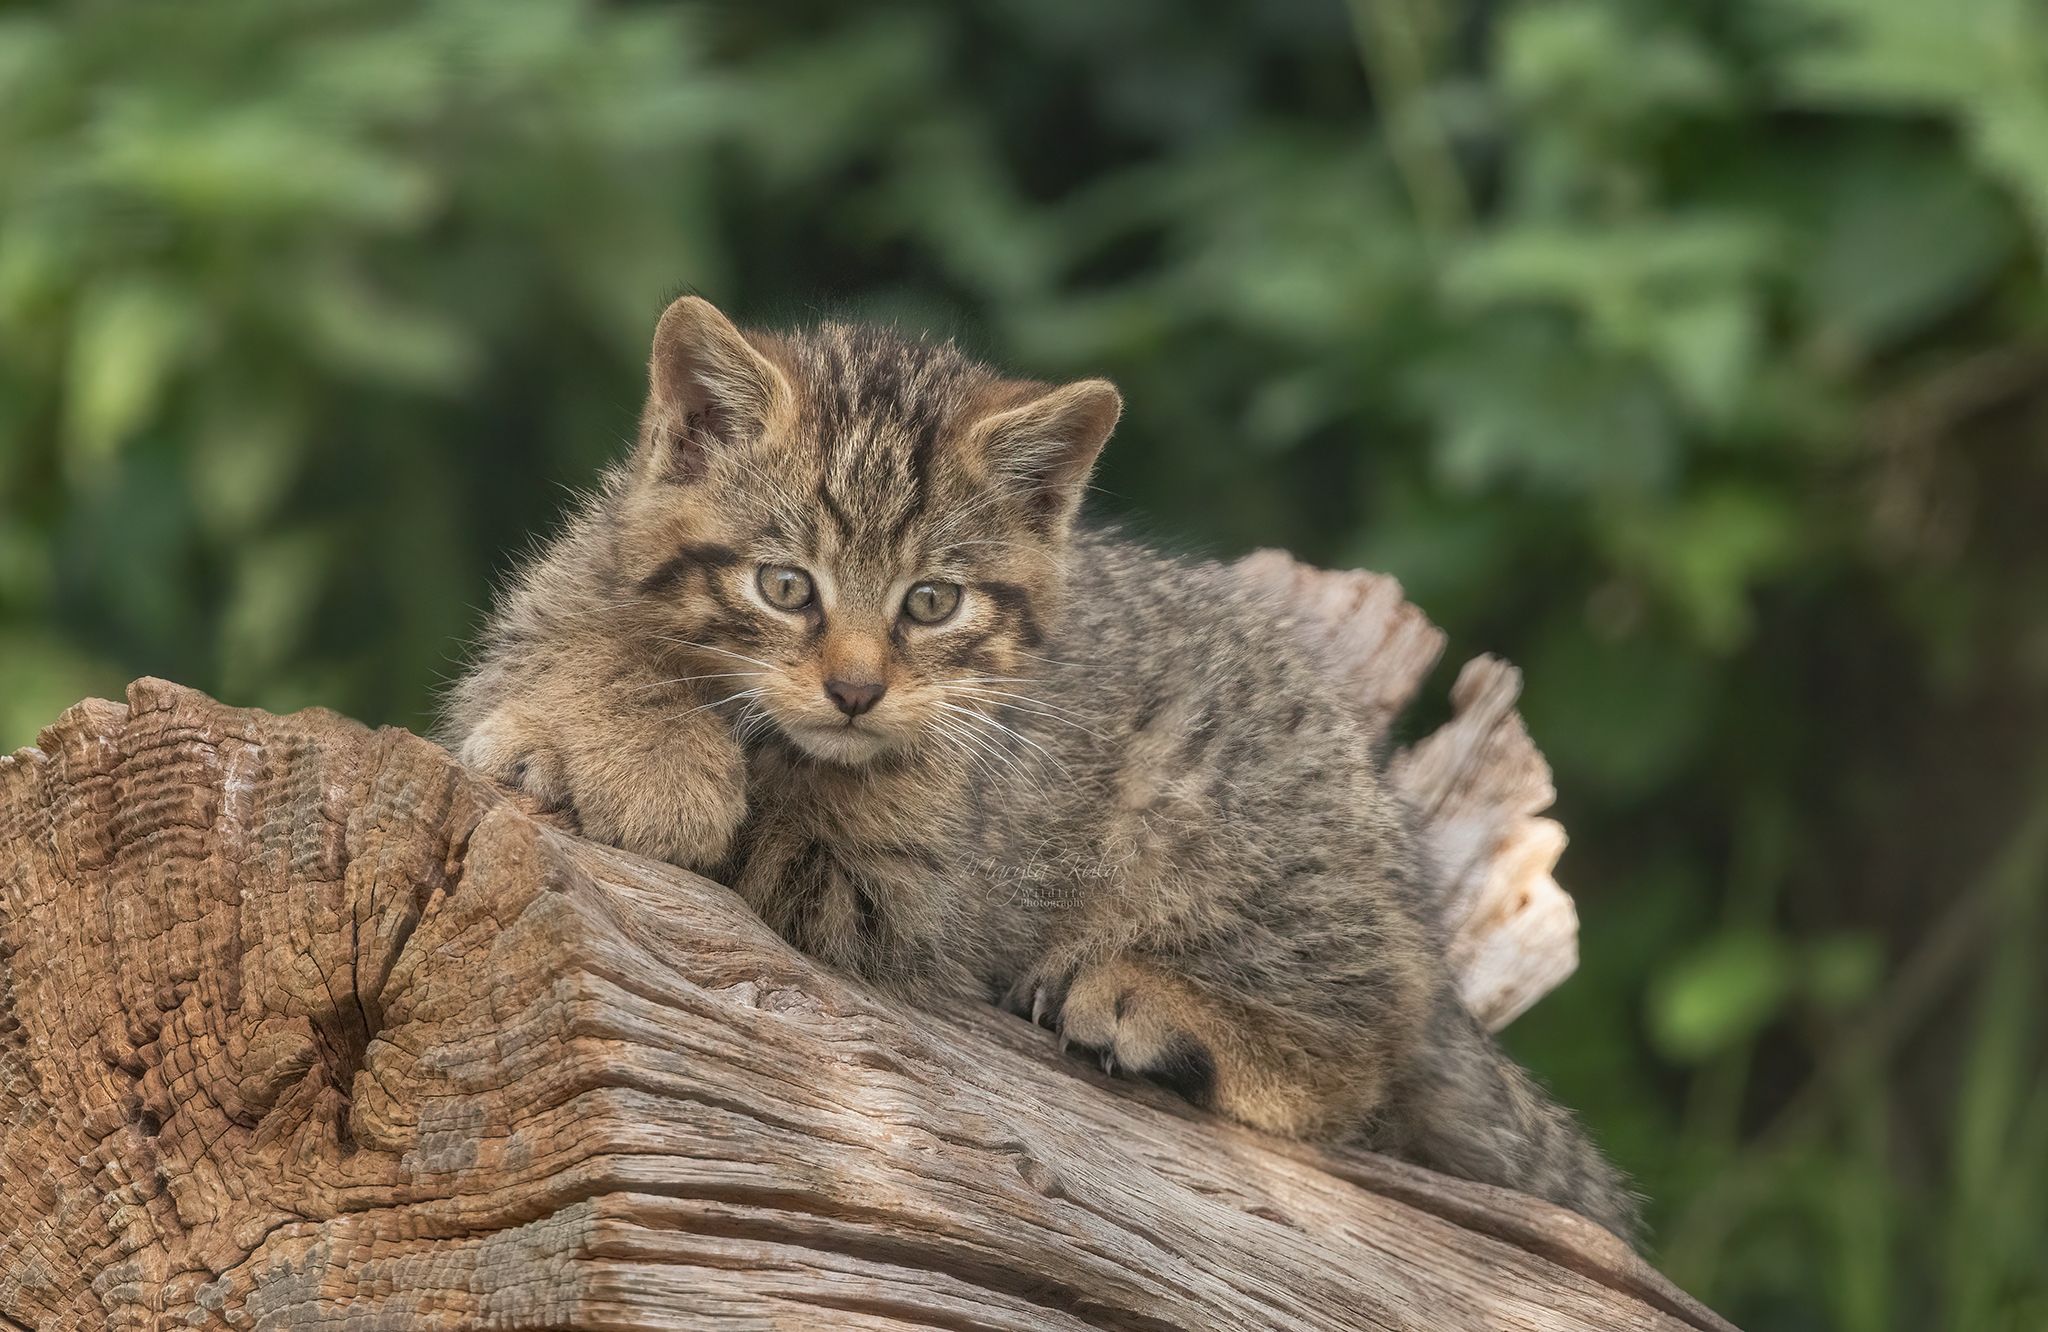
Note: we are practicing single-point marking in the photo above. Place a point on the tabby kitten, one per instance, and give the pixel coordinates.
(833, 635)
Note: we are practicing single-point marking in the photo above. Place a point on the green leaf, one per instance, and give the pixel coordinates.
(1982, 64)
(270, 605)
(1903, 238)
(244, 454)
(1719, 995)
(257, 162)
(355, 327)
(1605, 65)
(1522, 401)
(1622, 279)
(1705, 552)
(1706, 347)
(129, 336)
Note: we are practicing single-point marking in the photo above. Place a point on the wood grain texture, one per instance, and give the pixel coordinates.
(301, 1025)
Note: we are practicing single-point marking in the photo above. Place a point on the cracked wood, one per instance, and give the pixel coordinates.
(298, 1020)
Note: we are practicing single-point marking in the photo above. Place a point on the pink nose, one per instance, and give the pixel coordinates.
(853, 697)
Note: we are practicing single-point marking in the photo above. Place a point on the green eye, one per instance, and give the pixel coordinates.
(931, 603)
(785, 588)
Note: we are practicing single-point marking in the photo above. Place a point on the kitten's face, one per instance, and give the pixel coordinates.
(855, 541)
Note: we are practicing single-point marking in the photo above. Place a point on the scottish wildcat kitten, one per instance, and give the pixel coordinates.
(833, 635)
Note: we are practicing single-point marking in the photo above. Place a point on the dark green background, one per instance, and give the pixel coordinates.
(1693, 356)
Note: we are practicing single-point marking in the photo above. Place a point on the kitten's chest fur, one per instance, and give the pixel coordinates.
(877, 872)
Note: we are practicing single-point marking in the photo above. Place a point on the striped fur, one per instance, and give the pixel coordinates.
(1111, 790)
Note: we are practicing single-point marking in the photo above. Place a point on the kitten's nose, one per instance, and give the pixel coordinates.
(855, 698)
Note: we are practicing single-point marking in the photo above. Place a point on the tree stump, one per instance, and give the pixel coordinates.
(301, 1023)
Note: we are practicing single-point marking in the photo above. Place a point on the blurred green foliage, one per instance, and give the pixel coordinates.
(1696, 357)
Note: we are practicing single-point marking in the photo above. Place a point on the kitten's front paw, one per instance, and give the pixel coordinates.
(520, 757)
(669, 792)
(669, 788)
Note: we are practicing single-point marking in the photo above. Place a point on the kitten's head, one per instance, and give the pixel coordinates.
(861, 536)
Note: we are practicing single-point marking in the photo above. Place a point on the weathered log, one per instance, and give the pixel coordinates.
(300, 1022)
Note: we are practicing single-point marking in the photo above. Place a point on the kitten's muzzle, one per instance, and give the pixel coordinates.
(855, 697)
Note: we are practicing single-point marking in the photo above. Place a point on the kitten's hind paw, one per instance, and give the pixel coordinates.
(1038, 996)
(1133, 1018)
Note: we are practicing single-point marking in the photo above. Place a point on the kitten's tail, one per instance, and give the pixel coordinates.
(1467, 1109)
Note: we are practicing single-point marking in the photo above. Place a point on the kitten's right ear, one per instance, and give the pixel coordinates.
(707, 386)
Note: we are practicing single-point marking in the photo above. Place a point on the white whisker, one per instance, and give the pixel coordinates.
(1076, 665)
(1030, 707)
(744, 693)
(968, 747)
(692, 679)
(752, 721)
(724, 652)
(987, 720)
(982, 683)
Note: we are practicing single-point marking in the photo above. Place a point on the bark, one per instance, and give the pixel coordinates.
(300, 1022)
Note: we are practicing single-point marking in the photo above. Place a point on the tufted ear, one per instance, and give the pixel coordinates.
(707, 385)
(1047, 444)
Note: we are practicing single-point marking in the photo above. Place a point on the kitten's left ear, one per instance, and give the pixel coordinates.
(1048, 444)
